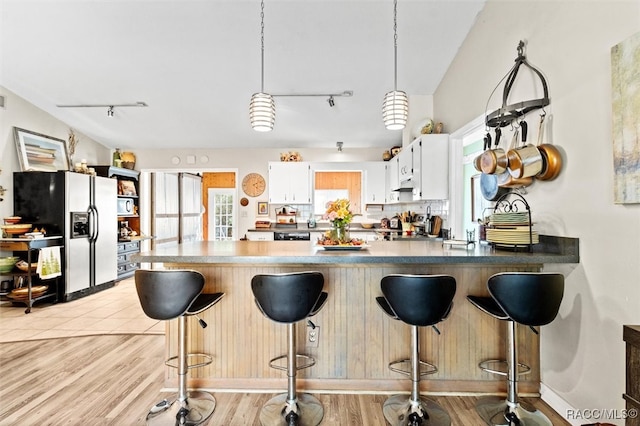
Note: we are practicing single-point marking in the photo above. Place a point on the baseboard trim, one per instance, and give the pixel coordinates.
(558, 404)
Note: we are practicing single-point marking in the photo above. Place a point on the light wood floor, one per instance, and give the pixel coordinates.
(114, 379)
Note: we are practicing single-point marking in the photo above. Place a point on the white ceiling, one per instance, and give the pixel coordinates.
(197, 63)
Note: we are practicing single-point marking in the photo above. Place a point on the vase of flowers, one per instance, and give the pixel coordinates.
(339, 214)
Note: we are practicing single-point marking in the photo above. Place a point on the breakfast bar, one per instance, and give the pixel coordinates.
(356, 340)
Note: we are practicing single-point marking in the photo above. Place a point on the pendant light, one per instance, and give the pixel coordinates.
(262, 109)
(395, 107)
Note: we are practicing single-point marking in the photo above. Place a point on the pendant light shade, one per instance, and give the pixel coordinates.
(395, 110)
(262, 109)
(395, 107)
(262, 112)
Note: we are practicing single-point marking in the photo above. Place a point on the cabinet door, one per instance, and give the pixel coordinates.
(435, 167)
(392, 180)
(375, 182)
(416, 150)
(289, 183)
(299, 183)
(259, 236)
(405, 164)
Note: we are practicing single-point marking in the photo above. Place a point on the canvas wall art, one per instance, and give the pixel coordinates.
(625, 80)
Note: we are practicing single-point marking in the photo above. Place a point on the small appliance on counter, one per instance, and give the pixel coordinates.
(124, 233)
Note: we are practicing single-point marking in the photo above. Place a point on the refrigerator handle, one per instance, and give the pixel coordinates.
(93, 214)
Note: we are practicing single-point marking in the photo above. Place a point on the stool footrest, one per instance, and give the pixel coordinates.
(172, 362)
(500, 367)
(404, 367)
(309, 362)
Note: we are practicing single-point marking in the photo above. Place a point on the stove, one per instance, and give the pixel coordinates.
(292, 236)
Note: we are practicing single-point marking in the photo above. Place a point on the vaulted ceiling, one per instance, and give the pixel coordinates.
(197, 63)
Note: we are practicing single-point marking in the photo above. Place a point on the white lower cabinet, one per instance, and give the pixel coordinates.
(259, 236)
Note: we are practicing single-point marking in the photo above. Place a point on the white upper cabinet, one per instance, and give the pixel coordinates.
(375, 182)
(289, 183)
(431, 167)
(405, 164)
(393, 182)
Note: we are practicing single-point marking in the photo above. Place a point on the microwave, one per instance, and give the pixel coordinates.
(125, 206)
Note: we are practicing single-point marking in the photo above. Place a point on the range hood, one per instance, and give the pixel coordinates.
(406, 186)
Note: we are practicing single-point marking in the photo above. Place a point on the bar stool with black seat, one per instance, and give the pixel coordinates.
(166, 295)
(289, 298)
(419, 301)
(528, 298)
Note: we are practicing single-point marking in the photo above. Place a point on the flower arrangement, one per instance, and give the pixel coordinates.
(338, 212)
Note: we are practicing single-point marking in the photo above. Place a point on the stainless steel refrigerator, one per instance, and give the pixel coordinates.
(83, 209)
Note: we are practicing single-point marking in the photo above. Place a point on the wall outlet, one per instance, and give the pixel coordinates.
(313, 336)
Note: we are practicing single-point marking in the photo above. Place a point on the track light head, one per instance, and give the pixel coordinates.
(339, 145)
(331, 101)
(110, 111)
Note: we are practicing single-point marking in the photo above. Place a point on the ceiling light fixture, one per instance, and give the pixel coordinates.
(331, 101)
(339, 145)
(131, 104)
(110, 107)
(262, 109)
(395, 107)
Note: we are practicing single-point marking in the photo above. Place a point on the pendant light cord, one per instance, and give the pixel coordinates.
(395, 45)
(262, 45)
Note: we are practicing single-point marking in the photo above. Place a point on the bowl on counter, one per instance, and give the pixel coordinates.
(16, 228)
(11, 220)
(367, 225)
(7, 263)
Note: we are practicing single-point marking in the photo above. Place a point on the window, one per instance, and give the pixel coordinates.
(221, 213)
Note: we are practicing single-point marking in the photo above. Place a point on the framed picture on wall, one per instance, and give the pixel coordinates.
(263, 208)
(37, 152)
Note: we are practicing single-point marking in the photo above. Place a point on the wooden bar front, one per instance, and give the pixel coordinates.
(357, 340)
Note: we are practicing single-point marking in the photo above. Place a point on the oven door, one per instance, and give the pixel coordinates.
(292, 236)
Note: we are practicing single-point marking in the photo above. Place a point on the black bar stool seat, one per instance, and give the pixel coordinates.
(287, 299)
(527, 298)
(166, 295)
(419, 301)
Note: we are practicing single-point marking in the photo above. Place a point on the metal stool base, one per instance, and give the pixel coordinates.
(404, 367)
(206, 360)
(501, 367)
(397, 409)
(196, 410)
(309, 409)
(493, 409)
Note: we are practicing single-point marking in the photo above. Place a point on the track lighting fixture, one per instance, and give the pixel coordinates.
(339, 145)
(110, 107)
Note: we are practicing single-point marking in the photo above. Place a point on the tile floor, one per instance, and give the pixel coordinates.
(112, 311)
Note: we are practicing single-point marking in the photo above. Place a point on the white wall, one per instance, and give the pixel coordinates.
(583, 358)
(20, 113)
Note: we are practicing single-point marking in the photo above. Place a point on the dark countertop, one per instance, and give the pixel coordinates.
(303, 228)
(550, 250)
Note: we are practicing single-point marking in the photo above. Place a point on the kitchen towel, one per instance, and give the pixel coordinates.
(49, 263)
